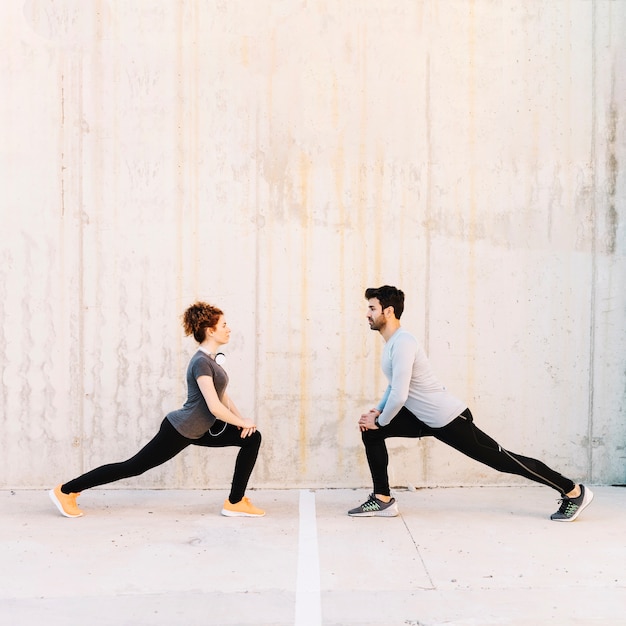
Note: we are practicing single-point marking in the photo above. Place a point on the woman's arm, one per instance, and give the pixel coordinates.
(228, 402)
(207, 387)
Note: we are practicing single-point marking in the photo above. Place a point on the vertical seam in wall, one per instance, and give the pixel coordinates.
(427, 254)
(594, 268)
(428, 215)
(81, 267)
(257, 281)
(179, 143)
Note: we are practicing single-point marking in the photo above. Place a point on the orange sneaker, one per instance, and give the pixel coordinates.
(243, 508)
(66, 503)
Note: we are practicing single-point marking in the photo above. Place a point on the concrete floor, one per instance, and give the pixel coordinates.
(466, 556)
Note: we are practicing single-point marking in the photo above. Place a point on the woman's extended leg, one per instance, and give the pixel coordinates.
(166, 444)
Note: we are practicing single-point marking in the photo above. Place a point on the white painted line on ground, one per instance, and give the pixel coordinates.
(308, 600)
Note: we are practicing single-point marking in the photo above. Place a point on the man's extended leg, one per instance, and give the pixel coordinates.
(465, 437)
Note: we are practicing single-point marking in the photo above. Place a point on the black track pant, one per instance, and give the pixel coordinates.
(166, 444)
(462, 435)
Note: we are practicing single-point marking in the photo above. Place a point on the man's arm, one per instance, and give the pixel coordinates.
(381, 405)
(402, 359)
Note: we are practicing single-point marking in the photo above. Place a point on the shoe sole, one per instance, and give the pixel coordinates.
(586, 502)
(228, 513)
(57, 503)
(383, 513)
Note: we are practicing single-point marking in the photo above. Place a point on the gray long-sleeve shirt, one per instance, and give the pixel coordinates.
(413, 384)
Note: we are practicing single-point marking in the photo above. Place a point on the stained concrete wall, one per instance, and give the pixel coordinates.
(276, 158)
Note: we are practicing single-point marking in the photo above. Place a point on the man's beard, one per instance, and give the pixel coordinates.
(378, 324)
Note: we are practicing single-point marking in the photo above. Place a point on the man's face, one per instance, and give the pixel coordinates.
(375, 315)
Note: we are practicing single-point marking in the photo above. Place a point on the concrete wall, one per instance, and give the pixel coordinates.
(276, 158)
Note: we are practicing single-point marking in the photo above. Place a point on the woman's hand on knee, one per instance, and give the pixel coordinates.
(246, 431)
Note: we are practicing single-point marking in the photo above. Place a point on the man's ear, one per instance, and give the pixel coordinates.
(389, 312)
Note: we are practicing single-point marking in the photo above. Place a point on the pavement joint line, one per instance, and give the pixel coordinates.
(308, 599)
(417, 549)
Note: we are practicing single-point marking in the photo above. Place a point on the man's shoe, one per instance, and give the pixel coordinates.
(374, 507)
(571, 508)
(66, 503)
(243, 508)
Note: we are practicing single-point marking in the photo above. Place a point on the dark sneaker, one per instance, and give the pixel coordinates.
(571, 508)
(375, 507)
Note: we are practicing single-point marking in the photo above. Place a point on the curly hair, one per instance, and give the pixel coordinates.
(198, 317)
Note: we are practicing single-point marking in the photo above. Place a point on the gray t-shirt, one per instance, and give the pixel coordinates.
(195, 419)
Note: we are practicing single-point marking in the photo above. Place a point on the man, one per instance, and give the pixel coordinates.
(416, 404)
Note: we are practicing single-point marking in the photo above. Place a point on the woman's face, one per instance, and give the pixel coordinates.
(221, 332)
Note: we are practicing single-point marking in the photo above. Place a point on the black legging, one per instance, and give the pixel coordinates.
(166, 444)
(462, 435)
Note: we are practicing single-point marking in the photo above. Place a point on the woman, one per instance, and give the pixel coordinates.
(208, 418)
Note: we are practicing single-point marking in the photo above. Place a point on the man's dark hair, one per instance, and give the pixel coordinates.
(387, 296)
